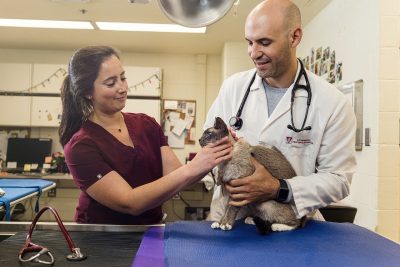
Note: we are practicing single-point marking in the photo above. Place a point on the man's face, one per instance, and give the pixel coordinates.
(268, 45)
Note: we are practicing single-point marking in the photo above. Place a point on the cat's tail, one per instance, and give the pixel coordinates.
(263, 227)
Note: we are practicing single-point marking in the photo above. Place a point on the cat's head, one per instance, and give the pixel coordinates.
(215, 133)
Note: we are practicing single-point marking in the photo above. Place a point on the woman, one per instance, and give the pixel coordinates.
(120, 161)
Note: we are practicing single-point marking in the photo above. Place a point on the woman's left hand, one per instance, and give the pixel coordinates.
(211, 155)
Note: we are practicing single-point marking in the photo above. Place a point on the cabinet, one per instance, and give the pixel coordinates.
(46, 111)
(143, 81)
(48, 78)
(35, 111)
(15, 110)
(15, 77)
(151, 107)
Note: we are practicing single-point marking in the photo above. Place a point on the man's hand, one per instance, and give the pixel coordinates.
(260, 186)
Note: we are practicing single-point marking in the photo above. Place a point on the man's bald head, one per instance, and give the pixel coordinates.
(273, 32)
(285, 12)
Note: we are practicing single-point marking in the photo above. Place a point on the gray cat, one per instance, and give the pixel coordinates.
(268, 215)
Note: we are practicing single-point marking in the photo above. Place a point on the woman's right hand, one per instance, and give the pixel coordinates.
(210, 156)
(233, 134)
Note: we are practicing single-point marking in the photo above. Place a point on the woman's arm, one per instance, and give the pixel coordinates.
(114, 192)
(170, 161)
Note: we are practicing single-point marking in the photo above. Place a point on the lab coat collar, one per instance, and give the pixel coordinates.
(257, 84)
(284, 104)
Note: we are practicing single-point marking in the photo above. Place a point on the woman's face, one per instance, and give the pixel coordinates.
(110, 87)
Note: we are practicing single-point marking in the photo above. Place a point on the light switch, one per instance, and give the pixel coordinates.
(367, 137)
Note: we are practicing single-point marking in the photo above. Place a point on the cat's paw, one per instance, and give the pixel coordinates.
(226, 227)
(278, 227)
(249, 220)
(215, 225)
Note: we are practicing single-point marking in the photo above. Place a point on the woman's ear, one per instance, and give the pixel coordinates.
(88, 97)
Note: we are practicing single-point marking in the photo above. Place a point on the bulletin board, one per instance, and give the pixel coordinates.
(179, 122)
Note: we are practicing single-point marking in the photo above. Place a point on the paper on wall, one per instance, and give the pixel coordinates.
(179, 126)
(189, 121)
(176, 141)
(172, 116)
(170, 104)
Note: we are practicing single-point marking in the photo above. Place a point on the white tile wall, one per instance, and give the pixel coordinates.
(389, 31)
(389, 63)
(389, 120)
(389, 7)
(389, 98)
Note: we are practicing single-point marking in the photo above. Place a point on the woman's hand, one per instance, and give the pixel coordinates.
(210, 156)
(233, 134)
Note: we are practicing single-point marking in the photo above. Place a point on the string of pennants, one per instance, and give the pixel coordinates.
(154, 78)
(62, 73)
(58, 73)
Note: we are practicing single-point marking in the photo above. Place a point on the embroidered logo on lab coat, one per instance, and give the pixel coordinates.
(291, 140)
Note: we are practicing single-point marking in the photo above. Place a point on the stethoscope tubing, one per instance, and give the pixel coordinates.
(237, 122)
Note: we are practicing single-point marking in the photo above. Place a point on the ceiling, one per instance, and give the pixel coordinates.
(229, 28)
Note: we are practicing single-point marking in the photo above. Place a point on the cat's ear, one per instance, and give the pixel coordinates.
(220, 125)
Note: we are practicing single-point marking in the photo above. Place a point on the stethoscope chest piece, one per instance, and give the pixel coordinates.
(236, 123)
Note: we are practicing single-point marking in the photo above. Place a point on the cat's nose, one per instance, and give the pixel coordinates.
(201, 142)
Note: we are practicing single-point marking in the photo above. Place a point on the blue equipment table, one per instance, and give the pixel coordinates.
(18, 190)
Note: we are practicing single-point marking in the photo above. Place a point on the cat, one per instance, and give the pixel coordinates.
(269, 215)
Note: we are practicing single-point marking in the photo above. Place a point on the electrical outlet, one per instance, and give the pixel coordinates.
(52, 192)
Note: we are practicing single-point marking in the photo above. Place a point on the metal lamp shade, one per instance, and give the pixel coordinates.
(195, 13)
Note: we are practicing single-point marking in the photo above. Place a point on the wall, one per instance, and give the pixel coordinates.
(351, 29)
(389, 120)
(235, 58)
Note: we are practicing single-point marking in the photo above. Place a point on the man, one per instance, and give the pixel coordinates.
(318, 139)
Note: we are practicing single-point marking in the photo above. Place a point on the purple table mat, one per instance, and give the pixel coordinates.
(151, 250)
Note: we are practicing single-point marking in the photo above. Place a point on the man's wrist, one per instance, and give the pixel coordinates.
(283, 191)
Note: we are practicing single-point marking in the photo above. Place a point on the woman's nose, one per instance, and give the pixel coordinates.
(122, 87)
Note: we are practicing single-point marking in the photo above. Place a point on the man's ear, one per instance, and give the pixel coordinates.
(295, 37)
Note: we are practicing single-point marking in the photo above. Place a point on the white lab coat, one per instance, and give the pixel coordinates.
(323, 158)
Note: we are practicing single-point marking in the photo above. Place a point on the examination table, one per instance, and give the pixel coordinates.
(18, 190)
(187, 243)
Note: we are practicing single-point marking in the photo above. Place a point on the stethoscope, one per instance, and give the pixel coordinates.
(236, 122)
(30, 247)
